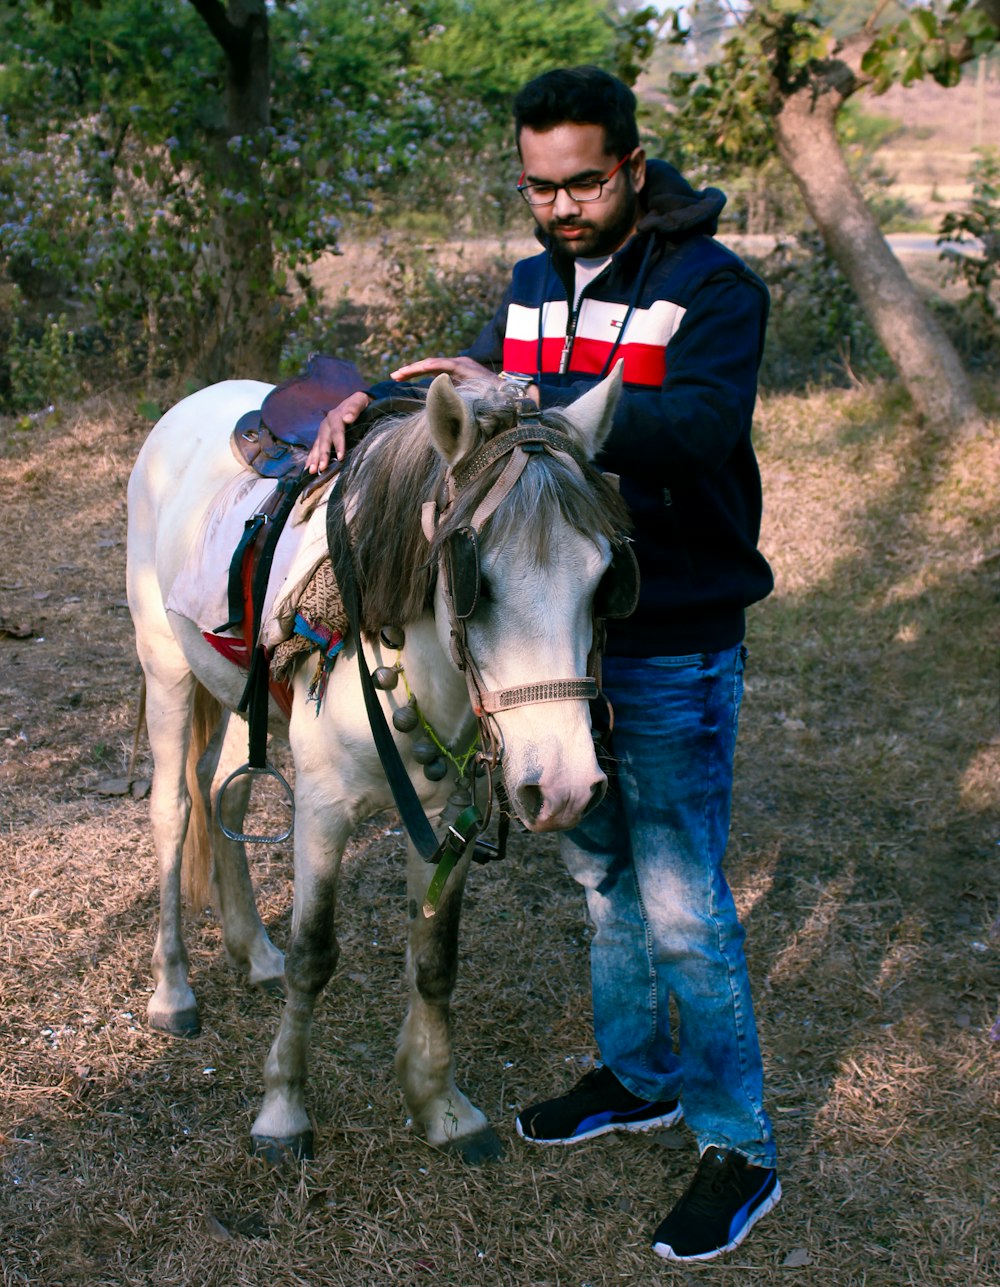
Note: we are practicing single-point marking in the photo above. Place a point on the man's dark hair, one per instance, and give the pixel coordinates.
(582, 96)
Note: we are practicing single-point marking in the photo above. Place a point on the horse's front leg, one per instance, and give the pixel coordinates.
(246, 942)
(425, 1062)
(283, 1125)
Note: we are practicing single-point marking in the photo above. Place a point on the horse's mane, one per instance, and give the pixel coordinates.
(396, 467)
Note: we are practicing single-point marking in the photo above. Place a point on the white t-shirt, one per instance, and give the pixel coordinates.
(586, 271)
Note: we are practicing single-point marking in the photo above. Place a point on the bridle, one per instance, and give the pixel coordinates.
(461, 581)
(461, 578)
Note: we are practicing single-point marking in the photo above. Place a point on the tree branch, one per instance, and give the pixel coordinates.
(232, 39)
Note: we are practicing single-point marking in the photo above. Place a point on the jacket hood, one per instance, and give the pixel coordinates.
(673, 208)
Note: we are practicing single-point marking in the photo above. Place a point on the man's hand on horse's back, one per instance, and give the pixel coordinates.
(459, 368)
(332, 435)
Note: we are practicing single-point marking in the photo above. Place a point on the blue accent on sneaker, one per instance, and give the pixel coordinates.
(741, 1216)
(724, 1200)
(598, 1103)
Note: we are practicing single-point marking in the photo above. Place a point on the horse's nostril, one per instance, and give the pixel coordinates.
(597, 794)
(529, 799)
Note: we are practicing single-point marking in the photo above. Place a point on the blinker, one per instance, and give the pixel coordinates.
(462, 561)
(618, 590)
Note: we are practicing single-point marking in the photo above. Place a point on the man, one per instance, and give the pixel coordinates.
(629, 270)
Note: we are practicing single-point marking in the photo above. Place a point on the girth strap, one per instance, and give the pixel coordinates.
(254, 700)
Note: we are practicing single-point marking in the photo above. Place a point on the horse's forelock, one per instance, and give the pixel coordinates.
(549, 489)
(396, 468)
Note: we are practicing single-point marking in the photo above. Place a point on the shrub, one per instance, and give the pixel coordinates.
(433, 309)
(976, 320)
(818, 332)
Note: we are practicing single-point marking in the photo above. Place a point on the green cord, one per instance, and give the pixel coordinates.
(459, 763)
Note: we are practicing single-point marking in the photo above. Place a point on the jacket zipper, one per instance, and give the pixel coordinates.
(570, 337)
(574, 321)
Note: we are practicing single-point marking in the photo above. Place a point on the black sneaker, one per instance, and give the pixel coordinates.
(722, 1204)
(598, 1103)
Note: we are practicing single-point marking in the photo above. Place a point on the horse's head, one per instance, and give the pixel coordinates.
(525, 531)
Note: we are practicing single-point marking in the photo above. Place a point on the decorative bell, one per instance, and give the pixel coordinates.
(405, 719)
(436, 770)
(424, 751)
(386, 677)
(393, 636)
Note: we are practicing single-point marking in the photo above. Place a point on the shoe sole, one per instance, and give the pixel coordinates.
(631, 1128)
(772, 1200)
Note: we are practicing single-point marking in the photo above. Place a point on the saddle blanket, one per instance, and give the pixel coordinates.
(201, 590)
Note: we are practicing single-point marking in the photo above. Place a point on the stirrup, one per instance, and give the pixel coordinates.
(242, 837)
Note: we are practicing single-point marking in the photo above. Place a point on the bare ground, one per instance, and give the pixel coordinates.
(863, 858)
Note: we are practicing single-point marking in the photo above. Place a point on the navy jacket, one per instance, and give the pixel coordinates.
(688, 318)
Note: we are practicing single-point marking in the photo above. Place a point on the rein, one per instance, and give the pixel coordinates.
(460, 578)
(469, 823)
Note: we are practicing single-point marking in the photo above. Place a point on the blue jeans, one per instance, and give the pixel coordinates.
(650, 861)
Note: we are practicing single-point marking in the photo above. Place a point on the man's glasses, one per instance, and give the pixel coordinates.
(580, 190)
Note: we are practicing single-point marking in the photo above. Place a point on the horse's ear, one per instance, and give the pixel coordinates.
(452, 428)
(591, 415)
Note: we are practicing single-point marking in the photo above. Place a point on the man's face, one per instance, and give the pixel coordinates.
(571, 153)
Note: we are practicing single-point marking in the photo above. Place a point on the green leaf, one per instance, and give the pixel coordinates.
(924, 23)
(150, 410)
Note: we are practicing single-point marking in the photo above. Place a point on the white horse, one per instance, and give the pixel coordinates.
(544, 546)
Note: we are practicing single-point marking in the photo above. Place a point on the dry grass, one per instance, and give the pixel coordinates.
(863, 857)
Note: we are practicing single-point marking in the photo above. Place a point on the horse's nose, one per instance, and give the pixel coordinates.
(554, 810)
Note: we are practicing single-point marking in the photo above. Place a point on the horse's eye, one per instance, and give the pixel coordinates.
(485, 591)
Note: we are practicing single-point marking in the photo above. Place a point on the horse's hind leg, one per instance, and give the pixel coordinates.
(246, 942)
(425, 1063)
(169, 700)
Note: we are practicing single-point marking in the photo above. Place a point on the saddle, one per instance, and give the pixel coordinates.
(274, 442)
(275, 439)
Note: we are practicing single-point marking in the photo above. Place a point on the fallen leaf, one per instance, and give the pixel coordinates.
(669, 1139)
(797, 1258)
(113, 786)
(15, 630)
(216, 1229)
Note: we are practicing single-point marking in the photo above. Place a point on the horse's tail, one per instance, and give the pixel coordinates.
(197, 860)
(140, 724)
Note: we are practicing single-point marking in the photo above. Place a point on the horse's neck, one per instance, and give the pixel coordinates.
(439, 688)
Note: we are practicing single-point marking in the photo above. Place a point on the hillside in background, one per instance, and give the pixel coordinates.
(929, 157)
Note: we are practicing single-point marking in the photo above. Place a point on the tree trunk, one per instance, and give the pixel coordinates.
(921, 352)
(248, 331)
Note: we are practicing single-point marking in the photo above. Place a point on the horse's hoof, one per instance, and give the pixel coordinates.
(272, 987)
(289, 1148)
(178, 1023)
(484, 1146)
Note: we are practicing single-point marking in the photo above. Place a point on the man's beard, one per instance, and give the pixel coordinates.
(596, 243)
